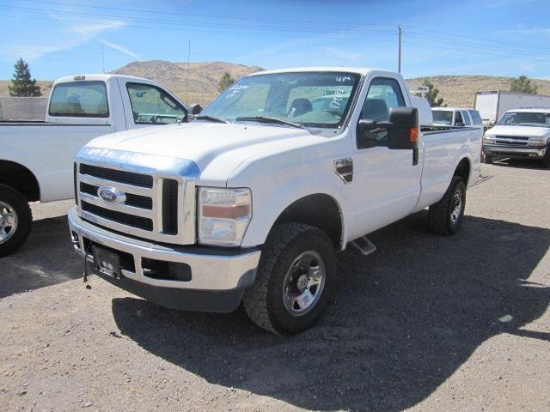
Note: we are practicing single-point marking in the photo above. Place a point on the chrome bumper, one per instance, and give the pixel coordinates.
(522, 152)
(210, 270)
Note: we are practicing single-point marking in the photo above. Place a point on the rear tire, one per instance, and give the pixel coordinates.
(15, 220)
(545, 162)
(294, 281)
(445, 216)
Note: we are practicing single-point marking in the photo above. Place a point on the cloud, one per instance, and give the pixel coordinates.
(119, 48)
(92, 30)
(67, 33)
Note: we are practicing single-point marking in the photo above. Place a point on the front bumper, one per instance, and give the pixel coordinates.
(515, 152)
(214, 279)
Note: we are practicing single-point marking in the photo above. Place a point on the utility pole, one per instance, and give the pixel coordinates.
(400, 33)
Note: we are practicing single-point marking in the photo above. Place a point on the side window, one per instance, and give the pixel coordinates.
(458, 119)
(152, 105)
(383, 94)
(79, 99)
(466, 119)
(476, 117)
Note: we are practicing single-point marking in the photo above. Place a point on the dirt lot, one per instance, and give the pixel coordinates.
(424, 324)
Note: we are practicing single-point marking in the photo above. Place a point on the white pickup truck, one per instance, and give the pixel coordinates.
(251, 201)
(520, 134)
(36, 158)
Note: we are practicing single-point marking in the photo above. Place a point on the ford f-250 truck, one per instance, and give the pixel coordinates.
(36, 158)
(520, 134)
(251, 201)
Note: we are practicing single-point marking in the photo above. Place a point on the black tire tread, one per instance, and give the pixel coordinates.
(545, 161)
(256, 298)
(438, 214)
(24, 215)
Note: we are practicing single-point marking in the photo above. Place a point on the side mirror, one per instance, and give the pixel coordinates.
(196, 109)
(403, 132)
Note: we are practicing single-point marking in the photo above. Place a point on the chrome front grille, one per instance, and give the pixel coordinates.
(155, 204)
(511, 140)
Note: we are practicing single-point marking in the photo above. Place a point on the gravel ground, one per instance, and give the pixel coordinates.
(426, 323)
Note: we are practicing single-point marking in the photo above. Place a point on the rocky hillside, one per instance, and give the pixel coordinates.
(198, 82)
(459, 91)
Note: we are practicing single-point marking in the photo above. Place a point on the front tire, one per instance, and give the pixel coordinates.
(294, 281)
(445, 216)
(15, 220)
(545, 162)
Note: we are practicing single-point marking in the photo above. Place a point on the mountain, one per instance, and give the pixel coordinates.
(459, 91)
(198, 82)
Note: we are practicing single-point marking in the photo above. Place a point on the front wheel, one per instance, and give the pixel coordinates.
(15, 220)
(545, 162)
(294, 281)
(445, 216)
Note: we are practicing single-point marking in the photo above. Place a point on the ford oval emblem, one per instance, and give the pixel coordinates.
(111, 195)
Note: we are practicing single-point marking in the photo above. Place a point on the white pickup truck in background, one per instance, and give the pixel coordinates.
(36, 158)
(520, 134)
(493, 104)
(251, 201)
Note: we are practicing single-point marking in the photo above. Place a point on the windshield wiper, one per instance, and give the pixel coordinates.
(211, 118)
(264, 119)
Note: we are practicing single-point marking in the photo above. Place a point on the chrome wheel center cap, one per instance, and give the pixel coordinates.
(301, 284)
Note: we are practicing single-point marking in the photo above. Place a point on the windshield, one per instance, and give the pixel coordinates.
(310, 99)
(525, 119)
(443, 117)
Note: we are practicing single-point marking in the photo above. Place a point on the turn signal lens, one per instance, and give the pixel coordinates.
(413, 135)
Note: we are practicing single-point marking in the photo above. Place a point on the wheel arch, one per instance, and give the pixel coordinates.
(463, 170)
(20, 178)
(318, 210)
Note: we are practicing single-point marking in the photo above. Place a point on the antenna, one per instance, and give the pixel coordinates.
(400, 33)
(103, 57)
(188, 57)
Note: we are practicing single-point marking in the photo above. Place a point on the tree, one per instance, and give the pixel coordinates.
(21, 84)
(523, 84)
(225, 82)
(432, 94)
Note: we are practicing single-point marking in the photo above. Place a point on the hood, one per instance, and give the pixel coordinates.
(218, 147)
(527, 131)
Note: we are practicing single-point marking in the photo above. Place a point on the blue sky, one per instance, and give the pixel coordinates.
(465, 37)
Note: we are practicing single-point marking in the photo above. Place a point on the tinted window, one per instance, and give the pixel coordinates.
(79, 99)
(476, 118)
(443, 117)
(466, 118)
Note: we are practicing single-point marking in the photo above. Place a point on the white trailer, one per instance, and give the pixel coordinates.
(493, 104)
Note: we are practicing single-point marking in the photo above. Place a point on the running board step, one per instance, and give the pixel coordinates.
(364, 245)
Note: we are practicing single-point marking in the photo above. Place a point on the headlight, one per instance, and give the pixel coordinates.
(538, 141)
(224, 215)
